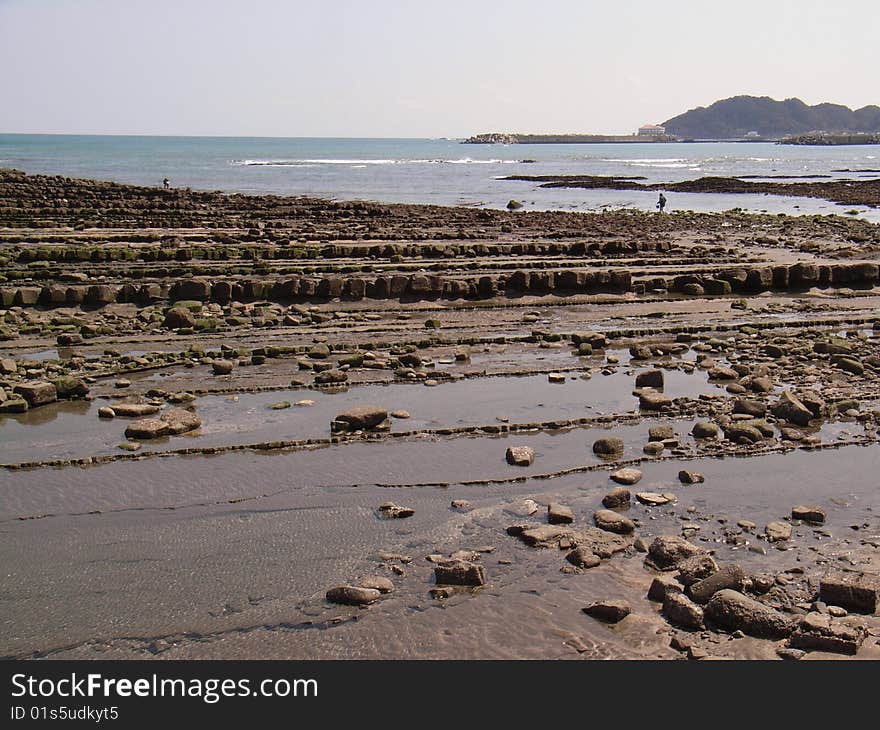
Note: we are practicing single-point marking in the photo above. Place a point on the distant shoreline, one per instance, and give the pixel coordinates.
(508, 139)
(817, 139)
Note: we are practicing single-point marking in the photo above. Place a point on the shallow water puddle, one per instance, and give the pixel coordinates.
(69, 430)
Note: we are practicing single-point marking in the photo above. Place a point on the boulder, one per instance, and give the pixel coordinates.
(326, 377)
(222, 367)
(693, 570)
(660, 433)
(690, 477)
(70, 387)
(667, 551)
(14, 405)
(748, 406)
(742, 433)
(705, 430)
(731, 610)
(608, 446)
(582, 557)
(719, 372)
(147, 428)
(652, 400)
(319, 352)
(559, 514)
(812, 514)
(681, 611)
(178, 317)
(650, 379)
(609, 611)
(362, 417)
(627, 476)
(728, 576)
(790, 408)
(520, 455)
(661, 586)
(460, 573)
(617, 497)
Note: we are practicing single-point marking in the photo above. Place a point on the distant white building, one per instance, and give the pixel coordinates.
(651, 130)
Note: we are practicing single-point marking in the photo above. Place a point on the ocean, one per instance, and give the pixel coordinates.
(440, 171)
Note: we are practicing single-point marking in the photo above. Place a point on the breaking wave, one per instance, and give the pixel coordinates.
(363, 163)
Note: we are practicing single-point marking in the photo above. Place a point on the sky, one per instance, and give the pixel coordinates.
(396, 68)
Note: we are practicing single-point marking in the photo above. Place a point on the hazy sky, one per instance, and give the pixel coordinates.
(392, 68)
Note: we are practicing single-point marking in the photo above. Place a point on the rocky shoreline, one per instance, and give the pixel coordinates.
(364, 430)
(844, 192)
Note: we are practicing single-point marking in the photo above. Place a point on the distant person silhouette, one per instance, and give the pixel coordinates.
(166, 183)
(661, 203)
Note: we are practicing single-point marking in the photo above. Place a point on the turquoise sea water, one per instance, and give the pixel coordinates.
(438, 171)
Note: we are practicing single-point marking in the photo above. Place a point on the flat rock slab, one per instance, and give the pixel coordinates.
(777, 531)
(600, 543)
(134, 410)
(180, 421)
(858, 592)
(612, 521)
(819, 632)
(627, 476)
(395, 511)
(651, 400)
(353, 595)
(378, 583)
(653, 499)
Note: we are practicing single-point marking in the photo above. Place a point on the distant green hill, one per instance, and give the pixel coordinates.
(740, 115)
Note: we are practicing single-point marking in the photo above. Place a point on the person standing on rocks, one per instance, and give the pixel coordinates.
(166, 183)
(661, 203)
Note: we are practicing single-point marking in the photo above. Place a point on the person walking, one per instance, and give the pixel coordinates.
(661, 203)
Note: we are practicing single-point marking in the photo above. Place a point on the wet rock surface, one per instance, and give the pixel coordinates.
(727, 364)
